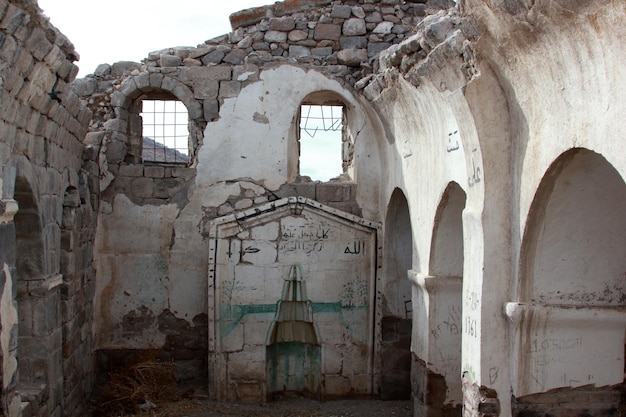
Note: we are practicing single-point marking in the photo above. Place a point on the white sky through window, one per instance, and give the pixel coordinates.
(321, 141)
(166, 123)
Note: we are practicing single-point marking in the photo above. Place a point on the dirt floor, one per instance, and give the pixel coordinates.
(294, 407)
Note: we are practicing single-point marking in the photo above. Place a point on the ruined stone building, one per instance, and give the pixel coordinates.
(469, 253)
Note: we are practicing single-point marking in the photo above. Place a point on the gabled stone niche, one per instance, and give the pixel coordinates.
(253, 255)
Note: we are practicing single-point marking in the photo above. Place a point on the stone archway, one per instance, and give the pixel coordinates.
(32, 347)
(572, 288)
(396, 301)
(437, 372)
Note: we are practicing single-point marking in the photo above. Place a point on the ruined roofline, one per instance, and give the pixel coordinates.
(254, 15)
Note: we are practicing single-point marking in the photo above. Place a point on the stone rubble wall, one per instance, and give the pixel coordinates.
(344, 39)
(341, 41)
(46, 314)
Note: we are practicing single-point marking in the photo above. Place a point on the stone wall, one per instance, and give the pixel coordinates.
(327, 47)
(48, 223)
(515, 105)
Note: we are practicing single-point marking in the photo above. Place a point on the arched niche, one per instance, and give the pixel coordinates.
(567, 328)
(575, 238)
(446, 256)
(396, 300)
(33, 363)
(28, 233)
(441, 292)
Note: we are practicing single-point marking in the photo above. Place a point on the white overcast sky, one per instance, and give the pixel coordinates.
(127, 30)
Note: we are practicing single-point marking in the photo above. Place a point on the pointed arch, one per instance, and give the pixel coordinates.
(575, 237)
(396, 300)
(446, 256)
(571, 285)
(28, 233)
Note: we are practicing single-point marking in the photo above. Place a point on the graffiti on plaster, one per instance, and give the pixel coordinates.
(493, 375)
(250, 249)
(305, 232)
(555, 344)
(355, 248)
(476, 172)
(450, 325)
(471, 327)
(295, 246)
(228, 289)
(470, 323)
(354, 293)
(549, 354)
(453, 136)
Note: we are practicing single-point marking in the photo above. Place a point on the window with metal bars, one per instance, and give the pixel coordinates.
(165, 132)
(321, 141)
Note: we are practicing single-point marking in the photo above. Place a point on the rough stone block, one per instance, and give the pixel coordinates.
(184, 173)
(374, 17)
(325, 31)
(156, 80)
(352, 57)
(248, 72)
(354, 27)
(154, 171)
(135, 170)
(142, 187)
(297, 35)
(341, 12)
(296, 51)
(373, 49)
(283, 24)
(38, 44)
(211, 110)
(116, 151)
(235, 57)
(332, 192)
(274, 36)
(322, 52)
(383, 28)
(215, 57)
(353, 42)
(13, 19)
(229, 88)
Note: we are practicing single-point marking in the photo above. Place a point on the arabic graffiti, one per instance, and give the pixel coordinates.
(305, 232)
(296, 246)
(476, 173)
(453, 141)
(355, 248)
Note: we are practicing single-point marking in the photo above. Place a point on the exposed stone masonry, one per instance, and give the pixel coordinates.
(484, 130)
(49, 363)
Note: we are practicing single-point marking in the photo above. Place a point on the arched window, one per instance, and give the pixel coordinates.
(324, 145)
(165, 134)
(321, 133)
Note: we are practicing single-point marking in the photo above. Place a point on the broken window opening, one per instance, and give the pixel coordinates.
(165, 132)
(321, 141)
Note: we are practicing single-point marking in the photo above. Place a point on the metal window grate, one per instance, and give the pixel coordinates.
(317, 118)
(165, 131)
(321, 141)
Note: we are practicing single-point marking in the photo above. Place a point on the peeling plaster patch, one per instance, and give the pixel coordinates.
(259, 118)
(8, 320)
(245, 76)
(137, 320)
